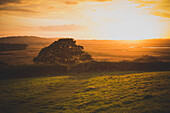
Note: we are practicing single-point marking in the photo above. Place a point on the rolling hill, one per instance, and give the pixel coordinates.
(119, 92)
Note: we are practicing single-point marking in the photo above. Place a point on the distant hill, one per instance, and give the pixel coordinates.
(31, 40)
(12, 46)
(42, 40)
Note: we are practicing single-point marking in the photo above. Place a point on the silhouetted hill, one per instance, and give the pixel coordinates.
(43, 40)
(27, 40)
(116, 43)
(12, 46)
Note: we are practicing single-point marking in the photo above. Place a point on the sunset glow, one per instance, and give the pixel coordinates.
(86, 19)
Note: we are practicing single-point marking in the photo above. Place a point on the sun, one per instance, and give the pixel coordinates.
(123, 23)
(130, 27)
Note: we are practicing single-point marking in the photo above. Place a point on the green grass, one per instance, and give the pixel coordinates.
(121, 92)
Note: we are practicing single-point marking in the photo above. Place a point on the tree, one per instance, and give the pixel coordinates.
(63, 51)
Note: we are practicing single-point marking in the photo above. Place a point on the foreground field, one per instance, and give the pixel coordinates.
(122, 92)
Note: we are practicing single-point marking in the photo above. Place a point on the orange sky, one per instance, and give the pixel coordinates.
(86, 19)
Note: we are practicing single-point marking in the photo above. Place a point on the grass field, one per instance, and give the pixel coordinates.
(120, 92)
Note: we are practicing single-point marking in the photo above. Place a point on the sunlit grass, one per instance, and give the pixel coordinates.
(88, 92)
(21, 91)
(141, 92)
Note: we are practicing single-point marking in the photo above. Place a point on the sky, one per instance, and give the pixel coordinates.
(86, 19)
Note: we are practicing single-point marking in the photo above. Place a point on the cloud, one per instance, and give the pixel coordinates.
(161, 13)
(164, 4)
(71, 27)
(43, 6)
(2, 2)
(75, 2)
(159, 7)
(15, 9)
(102, 0)
(71, 2)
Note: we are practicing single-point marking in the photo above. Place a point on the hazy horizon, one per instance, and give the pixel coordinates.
(76, 38)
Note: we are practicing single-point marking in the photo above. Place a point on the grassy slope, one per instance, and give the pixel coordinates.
(88, 92)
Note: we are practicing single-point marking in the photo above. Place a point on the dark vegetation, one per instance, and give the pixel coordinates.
(121, 66)
(24, 71)
(12, 47)
(63, 51)
(2, 64)
(147, 58)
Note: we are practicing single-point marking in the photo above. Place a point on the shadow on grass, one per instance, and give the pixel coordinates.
(25, 71)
